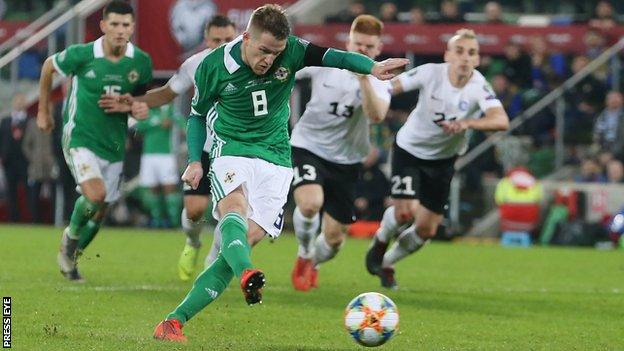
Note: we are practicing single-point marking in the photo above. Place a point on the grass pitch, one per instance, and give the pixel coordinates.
(452, 297)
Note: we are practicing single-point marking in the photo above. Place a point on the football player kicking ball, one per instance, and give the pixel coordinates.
(94, 141)
(452, 98)
(219, 30)
(328, 145)
(242, 90)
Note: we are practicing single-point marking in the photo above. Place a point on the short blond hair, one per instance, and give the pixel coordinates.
(367, 24)
(463, 33)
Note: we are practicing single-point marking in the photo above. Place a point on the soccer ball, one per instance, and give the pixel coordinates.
(371, 318)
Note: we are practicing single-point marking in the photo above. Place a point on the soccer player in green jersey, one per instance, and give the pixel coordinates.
(159, 171)
(219, 30)
(242, 90)
(94, 141)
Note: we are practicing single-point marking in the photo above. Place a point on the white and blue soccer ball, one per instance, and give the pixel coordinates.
(371, 318)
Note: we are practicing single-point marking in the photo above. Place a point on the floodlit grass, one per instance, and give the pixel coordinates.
(452, 297)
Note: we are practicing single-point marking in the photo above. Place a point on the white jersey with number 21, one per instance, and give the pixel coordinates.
(438, 101)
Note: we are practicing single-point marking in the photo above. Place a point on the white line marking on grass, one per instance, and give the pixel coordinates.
(125, 288)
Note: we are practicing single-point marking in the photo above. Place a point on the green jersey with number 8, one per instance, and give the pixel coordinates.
(85, 124)
(247, 113)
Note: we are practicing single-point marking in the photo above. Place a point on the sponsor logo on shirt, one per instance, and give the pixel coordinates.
(113, 78)
(90, 74)
(261, 81)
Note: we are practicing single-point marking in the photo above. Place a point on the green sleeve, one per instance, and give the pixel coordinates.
(350, 61)
(206, 81)
(195, 137)
(68, 61)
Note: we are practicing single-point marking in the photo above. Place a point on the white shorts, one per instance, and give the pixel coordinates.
(265, 186)
(158, 169)
(85, 165)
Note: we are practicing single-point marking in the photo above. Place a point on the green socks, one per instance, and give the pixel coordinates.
(87, 233)
(232, 261)
(173, 203)
(234, 246)
(84, 209)
(152, 203)
(207, 287)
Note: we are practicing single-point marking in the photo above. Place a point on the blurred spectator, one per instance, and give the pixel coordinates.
(37, 148)
(347, 16)
(507, 94)
(591, 172)
(595, 43)
(604, 16)
(615, 171)
(372, 189)
(2, 9)
(417, 16)
(493, 13)
(589, 93)
(609, 126)
(388, 12)
(449, 12)
(13, 161)
(584, 101)
(517, 66)
(548, 68)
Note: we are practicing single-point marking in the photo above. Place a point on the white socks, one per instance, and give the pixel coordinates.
(323, 252)
(305, 231)
(408, 242)
(389, 227)
(214, 249)
(192, 230)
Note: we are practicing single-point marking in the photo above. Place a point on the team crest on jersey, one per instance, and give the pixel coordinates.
(282, 73)
(133, 76)
(463, 105)
(229, 177)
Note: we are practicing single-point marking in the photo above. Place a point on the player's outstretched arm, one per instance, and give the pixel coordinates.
(45, 122)
(351, 61)
(495, 119)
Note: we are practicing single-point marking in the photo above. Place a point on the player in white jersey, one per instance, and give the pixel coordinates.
(329, 144)
(219, 30)
(453, 97)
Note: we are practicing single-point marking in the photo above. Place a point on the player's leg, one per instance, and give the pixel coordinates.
(308, 194)
(306, 221)
(338, 213)
(327, 244)
(86, 171)
(434, 186)
(148, 178)
(414, 237)
(169, 180)
(112, 177)
(405, 184)
(207, 287)
(196, 202)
